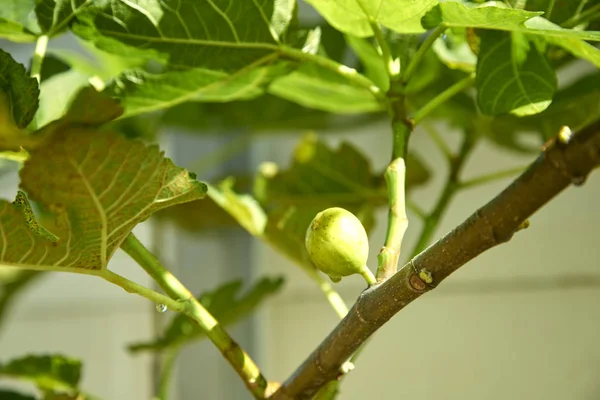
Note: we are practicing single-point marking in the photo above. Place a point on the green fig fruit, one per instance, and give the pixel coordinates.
(337, 244)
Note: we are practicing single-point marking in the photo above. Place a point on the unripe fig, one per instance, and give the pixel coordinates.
(337, 244)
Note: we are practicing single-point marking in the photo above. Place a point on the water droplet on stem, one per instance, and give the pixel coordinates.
(161, 308)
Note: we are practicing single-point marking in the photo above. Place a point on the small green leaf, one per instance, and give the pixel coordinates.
(512, 75)
(18, 102)
(226, 303)
(48, 372)
(16, 23)
(316, 87)
(355, 17)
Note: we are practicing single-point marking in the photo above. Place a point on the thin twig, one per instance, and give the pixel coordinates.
(41, 45)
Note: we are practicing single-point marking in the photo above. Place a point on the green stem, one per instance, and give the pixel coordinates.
(397, 220)
(418, 57)
(38, 57)
(576, 19)
(349, 73)
(443, 97)
(166, 373)
(333, 297)
(494, 176)
(392, 68)
(132, 287)
(433, 219)
(233, 353)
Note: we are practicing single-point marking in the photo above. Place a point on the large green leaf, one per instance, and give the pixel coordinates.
(217, 34)
(140, 92)
(48, 372)
(316, 87)
(225, 303)
(512, 75)
(18, 102)
(354, 17)
(16, 23)
(101, 186)
(451, 14)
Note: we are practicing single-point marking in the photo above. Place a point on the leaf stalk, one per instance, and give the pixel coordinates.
(233, 353)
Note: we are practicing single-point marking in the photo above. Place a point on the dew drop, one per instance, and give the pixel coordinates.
(161, 308)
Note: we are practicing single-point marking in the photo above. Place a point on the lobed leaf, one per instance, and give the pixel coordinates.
(226, 303)
(101, 185)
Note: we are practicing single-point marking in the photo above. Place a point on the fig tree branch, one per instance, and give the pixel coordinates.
(231, 350)
(561, 163)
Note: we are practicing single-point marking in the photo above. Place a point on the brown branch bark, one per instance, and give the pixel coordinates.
(559, 165)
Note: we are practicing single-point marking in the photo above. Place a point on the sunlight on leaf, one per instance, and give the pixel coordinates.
(354, 16)
(452, 14)
(315, 87)
(512, 75)
(226, 303)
